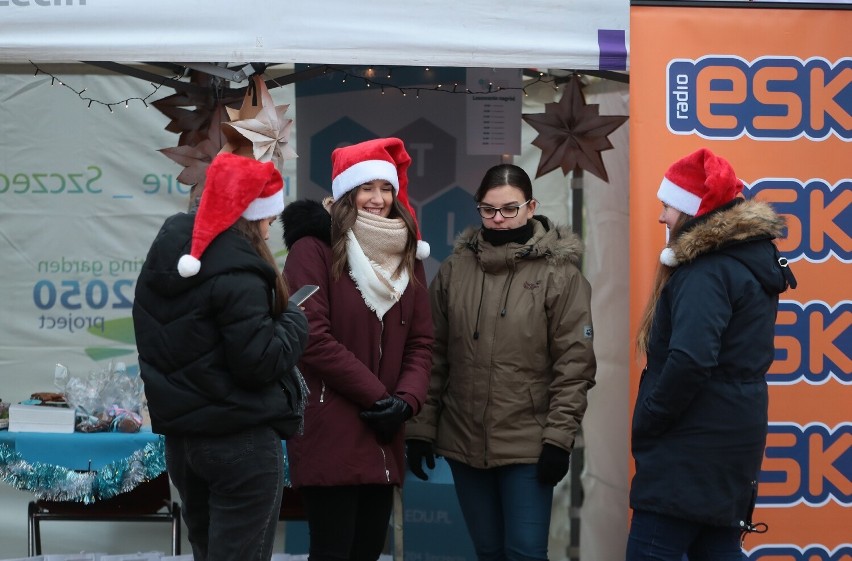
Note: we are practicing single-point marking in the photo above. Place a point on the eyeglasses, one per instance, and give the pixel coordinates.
(508, 211)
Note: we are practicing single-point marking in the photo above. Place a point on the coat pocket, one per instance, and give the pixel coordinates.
(540, 402)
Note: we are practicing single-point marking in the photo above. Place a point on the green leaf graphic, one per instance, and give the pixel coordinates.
(103, 353)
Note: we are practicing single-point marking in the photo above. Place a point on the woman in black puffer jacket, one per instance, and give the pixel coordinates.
(218, 344)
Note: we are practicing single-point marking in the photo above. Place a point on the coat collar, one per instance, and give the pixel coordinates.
(557, 244)
(736, 222)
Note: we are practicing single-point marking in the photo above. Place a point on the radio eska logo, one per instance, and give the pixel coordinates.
(813, 339)
(771, 98)
(814, 552)
(812, 343)
(810, 465)
(818, 215)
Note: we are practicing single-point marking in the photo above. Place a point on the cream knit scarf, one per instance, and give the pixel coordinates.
(374, 250)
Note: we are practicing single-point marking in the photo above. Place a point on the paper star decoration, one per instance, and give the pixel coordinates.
(262, 128)
(571, 134)
(196, 158)
(192, 125)
(200, 130)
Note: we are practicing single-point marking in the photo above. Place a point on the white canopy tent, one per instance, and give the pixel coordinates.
(474, 33)
(585, 35)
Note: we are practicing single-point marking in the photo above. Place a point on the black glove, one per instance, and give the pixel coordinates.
(386, 417)
(552, 464)
(417, 451)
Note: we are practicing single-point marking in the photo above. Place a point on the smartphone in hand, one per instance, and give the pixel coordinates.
(301, 295)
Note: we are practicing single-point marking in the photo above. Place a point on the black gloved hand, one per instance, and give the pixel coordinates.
(552, 464)
(417, 451)
(386, 417)
(392, 409)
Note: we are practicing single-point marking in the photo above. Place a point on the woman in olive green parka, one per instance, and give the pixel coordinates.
(512, 364)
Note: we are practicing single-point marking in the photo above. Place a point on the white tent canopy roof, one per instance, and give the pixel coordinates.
(579, 34)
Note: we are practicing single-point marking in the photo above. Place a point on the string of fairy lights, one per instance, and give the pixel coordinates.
(55, 80)
(376, 78)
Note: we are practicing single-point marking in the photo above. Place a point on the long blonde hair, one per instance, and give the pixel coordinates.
(251, 230)
(343, 215)
(660, 279)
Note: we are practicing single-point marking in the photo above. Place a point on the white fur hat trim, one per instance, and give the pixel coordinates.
(265, 207)
(364, 172)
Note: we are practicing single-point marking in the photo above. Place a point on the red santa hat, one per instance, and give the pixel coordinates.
(235, 186)
(699, 183)
(380, 158)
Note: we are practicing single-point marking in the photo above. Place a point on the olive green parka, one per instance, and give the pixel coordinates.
(513, 358)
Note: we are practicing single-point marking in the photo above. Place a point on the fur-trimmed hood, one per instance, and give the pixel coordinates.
(738, 221)
(557, 244)
(735, 229)
(710, 342)
(305, 218)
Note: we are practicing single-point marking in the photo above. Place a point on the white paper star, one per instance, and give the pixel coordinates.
(265, 129)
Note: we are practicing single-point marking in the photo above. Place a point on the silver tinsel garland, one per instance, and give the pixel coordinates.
(56, 483)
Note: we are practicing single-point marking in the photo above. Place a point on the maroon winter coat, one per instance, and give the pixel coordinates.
(353, 359)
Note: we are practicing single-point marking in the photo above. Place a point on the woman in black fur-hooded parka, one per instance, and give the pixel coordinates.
(701, 414)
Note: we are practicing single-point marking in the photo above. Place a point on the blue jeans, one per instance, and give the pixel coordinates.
(506, 510)
(656, 537)
(230, 486)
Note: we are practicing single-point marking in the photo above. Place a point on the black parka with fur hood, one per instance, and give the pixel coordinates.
(700, 421)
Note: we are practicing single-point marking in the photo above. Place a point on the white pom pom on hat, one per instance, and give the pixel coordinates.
(188, 266)
(668, 257)
(380, 158)
(423, 250)
(699, 183)
(235, 186)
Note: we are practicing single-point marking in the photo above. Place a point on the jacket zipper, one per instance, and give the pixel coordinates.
(508, 287)
(484, 421)
(384, 456)
(322, 392)
(385, 464)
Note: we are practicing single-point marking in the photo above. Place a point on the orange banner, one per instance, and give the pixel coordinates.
(771, 91)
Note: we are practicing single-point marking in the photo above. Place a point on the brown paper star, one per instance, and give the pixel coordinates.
(261, 126)
(200, 132)
(571, 134)
(195, 159)
(193, 125)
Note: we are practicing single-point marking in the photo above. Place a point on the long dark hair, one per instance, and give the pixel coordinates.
(343, 215)
(251, 230)
(504, 174)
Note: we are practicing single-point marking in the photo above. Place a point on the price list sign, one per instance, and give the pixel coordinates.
(494, 106)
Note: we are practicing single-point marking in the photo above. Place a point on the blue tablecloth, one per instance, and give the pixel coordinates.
(84, 467)
(79, 450)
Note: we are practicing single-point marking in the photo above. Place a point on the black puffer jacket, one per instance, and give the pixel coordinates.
(213, 358)
(700, 423)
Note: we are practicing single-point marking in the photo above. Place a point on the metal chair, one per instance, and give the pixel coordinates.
(148, 502)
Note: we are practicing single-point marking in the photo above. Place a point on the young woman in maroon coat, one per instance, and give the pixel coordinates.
(369, 351)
